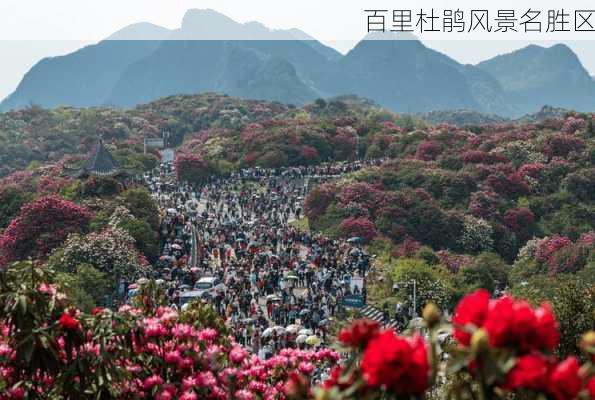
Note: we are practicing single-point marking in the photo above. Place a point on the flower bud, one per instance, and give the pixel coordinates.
(431, 314)
(480, 341)
(322, 394)
(588, 342)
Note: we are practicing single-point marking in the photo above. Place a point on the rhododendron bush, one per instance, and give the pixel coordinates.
(111, 251)
(191, 168)
(358, 227)
(40, 227)
(556, 254)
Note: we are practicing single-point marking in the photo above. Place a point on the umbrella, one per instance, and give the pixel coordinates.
(312, 340)
(294, 328)
(172, 210)
(416, 323)
(267, 332)
(305, 311)
(301, 339)
(306, 332)
(355, 239)
(355, 252)
(279, 329)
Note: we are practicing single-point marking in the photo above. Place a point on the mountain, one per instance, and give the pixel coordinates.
(201, 56)
(547, 112)
(534, 76)
(204, 55)
(401, 75)
(83, 78)
(141, 31)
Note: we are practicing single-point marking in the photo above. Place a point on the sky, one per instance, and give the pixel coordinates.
(33, 29)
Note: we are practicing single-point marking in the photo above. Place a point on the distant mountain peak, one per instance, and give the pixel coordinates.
(196, 17)
(535, 75)
(391, 36)
(141, 31)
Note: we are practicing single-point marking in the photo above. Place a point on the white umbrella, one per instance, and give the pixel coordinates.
(306, 332)
(301, 339)
(279, 329)
(294, 328)
(267, 332)
(416, 323)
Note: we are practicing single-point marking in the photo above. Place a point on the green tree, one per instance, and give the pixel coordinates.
(11, 201)
(87, 287)
(141, 205)
(433, 284)
(488, 271)
(146, 239)
(572, 297)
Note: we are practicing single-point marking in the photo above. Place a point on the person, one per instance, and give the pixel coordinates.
(385, 313)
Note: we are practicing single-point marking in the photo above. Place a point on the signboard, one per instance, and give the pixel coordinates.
(357, 282)
(154, 143)
(353, 300)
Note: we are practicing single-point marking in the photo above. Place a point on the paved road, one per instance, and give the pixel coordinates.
(167, 155)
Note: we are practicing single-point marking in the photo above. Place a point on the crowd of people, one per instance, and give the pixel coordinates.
(234, 243)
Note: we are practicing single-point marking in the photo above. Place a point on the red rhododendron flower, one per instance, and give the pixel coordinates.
(336, 379)
(359, 333)
(591, 387)
(97, 310)
(400, 364)
(547, 326)
(471, 310)
(564, 380)
(529, 372)
(516, 324)
(68, 322)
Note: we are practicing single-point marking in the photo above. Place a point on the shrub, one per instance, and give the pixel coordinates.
(192, 168)
(11, 201)
(318, 200)
(477, 235)
(360, 227)
(41, 226)
(432, 284)
(110, 251)
(142, 206)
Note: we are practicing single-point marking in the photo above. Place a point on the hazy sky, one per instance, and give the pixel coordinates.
(33, 29)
